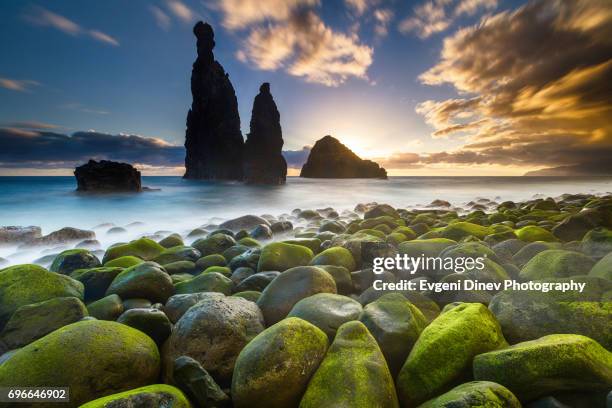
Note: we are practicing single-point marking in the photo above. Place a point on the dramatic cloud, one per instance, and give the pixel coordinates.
(239, 14)
(307, 48)
(45, 18)
(19, 85)
(434, 16)
(540, 86)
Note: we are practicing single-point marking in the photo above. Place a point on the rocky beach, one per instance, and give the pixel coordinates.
(280, 310)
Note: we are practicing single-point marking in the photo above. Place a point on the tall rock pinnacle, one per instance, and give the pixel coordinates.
(213, 139)
(263, 159)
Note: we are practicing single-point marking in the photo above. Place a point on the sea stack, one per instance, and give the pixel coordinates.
(331, 159)
(107, 176)
(263, 159)
(213, 139)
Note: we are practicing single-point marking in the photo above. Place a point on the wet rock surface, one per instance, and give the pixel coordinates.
(107, 176)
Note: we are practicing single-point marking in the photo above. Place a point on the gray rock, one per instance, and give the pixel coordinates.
(177, 305)
(199, 386)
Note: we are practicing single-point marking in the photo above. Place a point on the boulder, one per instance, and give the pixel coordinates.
(337, 256)
(62, 236)
(442, 355)
(147, 280)
(263, 159)
(246, 222)
(603, 268)
(142, 248)
(213, 141)
(177, 305)
(556, 263)
(199, 386)
(331, 159)
(290, 287)
(257, 281)
(342, 277)
(273, 370)
(327, 311)
(352, 374)
(96, 280)
(107, 308)
(380, 210)
(157, 395)
(214, 244)
(533, 233)
(476, 394)
(82, 355)
(597, 243)
(171, 240)
(10, 235)
(71, 260)
(176, 254)
(206, 282)
(123, 262)
(558, 362)
(107, 176)
(213, 332)
(152, 322)
(280, 256)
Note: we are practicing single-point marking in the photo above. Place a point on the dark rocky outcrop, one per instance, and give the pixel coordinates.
(331, 159)
(213, 140)
(107, 176)
(263, 160)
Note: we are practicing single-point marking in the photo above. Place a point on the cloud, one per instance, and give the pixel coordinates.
(45, 18)
(19, 85)
(162, 19)
(32, 125)
(383, 18)
(539, 81)
(180, 10)
(305, 47)
(239, 14)
(296, 158)
(80, 108)
(435, 16)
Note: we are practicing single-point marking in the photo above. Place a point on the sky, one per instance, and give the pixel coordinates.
(434, 87)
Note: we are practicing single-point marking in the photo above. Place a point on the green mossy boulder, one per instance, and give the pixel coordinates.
(337, 256)
(313, 243)
(143, 248)
(206, 282)
(123, 262)
(475, 394)
(107, 308)
(598, 242)
(147, 280)
(533, 233)
(460, 230)
(280, 256)
(180, 267)
(34, 321)
(603, 268)
(172, 240)
(380, 210)
(291, 286)
(233, 251)
(428, 307)
(25, 284)
(250, 295)
(223, 270)
(555, 363)
(249, 242)
(556, 263)
(198, 384)
(71, 260)
(427, 247)
(342, 277)
(95, 358)
(353, 373)
(176, 254)
(407, 232)
(96, 280)
(327, 311)
(214, 244)
(153, 322)
(526, 253)
(157, 395)
(396, 238)
(273, 370)
(396, 324)
(210, 260)
(442, 355)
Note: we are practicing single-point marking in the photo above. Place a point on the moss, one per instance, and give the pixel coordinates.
(180, 267)
(176, 254)
(251, 295)
(143, 248)
(443, 354)
(353, 373)
(406, 231)
(280, 256)
(147, 280)
(107, 308)
(475, 394)
(223, 270)
(603, 268)
(389, 221)
(150, 395)
(523, 255)
(214, 244)
(95, 358)
(313, 243)
(337, 256)
(428, 247)
(532, 233)
(250, 242)
(556, 263)
(342, 277)
(123, 262)
(273, 369)
(206, 282)
(460, 230)
(22, 285)
(73, 259)
(597, 242)
(211, 260)
(172, 240)
(554, 363)
(395, 238)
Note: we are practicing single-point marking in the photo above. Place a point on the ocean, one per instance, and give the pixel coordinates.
(181, 205)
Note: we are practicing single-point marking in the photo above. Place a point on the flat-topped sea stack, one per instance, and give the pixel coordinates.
(331, 159)
(213, 140)
(107, 176)
(263, 159)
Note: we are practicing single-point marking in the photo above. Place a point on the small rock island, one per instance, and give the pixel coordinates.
(107, 176)
(331, 159)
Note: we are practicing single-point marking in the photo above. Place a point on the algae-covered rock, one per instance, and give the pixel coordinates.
(176, 254)
(210, 260)
(381, 210)
(124, 262)
(313, 243)
(157, 395)
(396, 324)
(556, 263)
(198, 384)
(214, 244)
(597, 242)
(143, 248)
(22, 285)
(603, 268)
(273, 370)
(95, 358)
(146, 280)
(180, 268)
(258, 281)
(353, 373)
(213, 332)
(428, 307)
(171, 240)
(533, 233)
(475, 394)
(34, 321)
(554, 363)
(460, 230)
(280, 256)
(250, 295)
(73, 259)
(342, 277)
(427, 247)
(337, 256)
(96, 280)
(327, 311)
(442, 355)
(206, 282)
(107, 308)
(290, 287)
(153, 322)
(177, 305)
